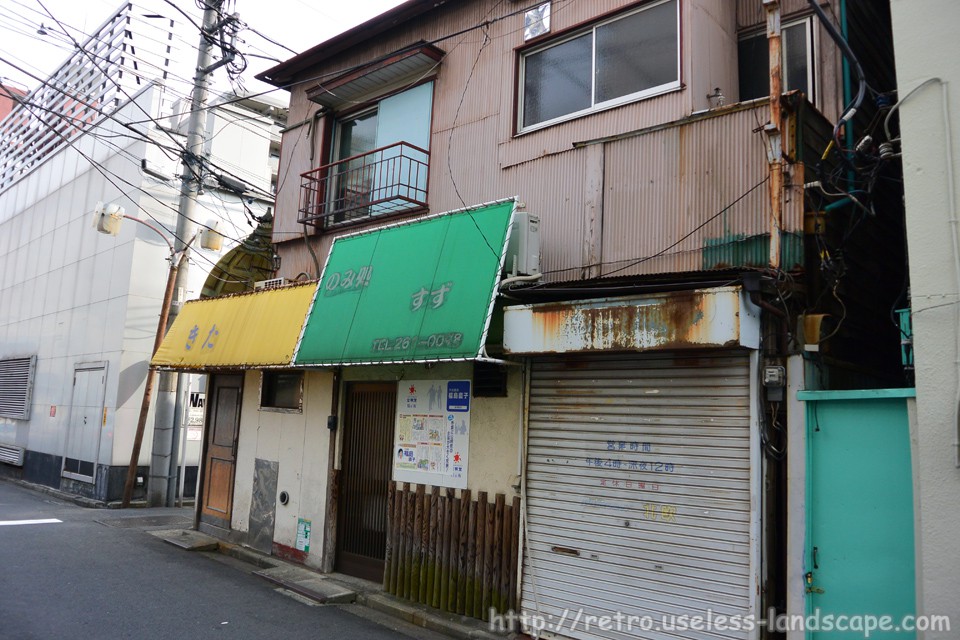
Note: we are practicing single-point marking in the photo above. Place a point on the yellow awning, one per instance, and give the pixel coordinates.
(248, 330)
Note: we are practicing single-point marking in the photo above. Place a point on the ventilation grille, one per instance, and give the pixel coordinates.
(11, 455)
(273, 283)
(489, 380)
(16, 387)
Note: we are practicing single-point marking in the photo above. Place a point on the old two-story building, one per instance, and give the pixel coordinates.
(566, 265)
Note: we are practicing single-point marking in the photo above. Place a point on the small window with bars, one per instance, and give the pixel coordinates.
(489, 380)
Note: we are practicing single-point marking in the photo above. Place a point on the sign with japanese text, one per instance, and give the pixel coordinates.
(432, 434)
(303, 534)
(258, 328)
(417, 291)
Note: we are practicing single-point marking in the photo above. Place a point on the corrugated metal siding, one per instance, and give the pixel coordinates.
(750, 13)
(553, 187)
(294, 155)
(662, 525)
(659, 187)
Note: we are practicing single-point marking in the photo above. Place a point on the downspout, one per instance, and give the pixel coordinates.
(847, 89)
(333, 478)
(774, 130)
(312, 141)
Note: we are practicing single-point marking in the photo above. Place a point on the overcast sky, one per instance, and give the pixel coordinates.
(298, 24)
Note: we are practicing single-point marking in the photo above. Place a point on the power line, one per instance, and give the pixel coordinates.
(126, 155)
(270, 40)
(144, 136)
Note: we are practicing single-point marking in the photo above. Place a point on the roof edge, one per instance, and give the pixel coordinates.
(282, 74)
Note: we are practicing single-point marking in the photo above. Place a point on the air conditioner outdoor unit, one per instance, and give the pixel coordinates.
(523, 250)
(272, 283)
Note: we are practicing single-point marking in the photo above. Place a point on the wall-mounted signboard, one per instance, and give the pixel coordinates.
(432, 435)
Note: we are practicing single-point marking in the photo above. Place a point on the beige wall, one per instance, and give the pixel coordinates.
(495, 423)
(298, 441)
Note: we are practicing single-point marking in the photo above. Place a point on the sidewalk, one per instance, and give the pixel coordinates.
(335, 588)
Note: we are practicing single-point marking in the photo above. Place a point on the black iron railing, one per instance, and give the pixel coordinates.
(387, 180)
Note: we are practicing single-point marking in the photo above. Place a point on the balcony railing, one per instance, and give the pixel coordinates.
(391, 179)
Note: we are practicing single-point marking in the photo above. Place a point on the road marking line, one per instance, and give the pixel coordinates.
(7, 523)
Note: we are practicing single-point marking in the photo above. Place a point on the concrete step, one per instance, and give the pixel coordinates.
(308, 584)
(188, 539)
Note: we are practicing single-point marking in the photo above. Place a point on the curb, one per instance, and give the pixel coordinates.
(80, 501)
(456, 627)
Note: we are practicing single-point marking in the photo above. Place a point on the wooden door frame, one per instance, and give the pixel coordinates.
(207, 435)
(332, 511)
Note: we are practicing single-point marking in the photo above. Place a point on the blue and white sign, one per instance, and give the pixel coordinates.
(458, 395)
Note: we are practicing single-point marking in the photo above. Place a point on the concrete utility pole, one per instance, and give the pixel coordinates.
(169, 408)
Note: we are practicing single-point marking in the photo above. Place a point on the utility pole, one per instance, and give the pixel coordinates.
(774, 129)
(169, 408)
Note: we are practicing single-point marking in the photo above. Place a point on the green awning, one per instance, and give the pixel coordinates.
(420, 291)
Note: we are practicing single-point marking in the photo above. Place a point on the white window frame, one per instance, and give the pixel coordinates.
(812, 53)
(595, 107)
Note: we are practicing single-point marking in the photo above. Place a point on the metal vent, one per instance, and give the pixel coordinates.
(273, 283)
(16, 387)
(489, 380)
(11, 455)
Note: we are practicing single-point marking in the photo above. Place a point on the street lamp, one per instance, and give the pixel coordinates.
(107, 220)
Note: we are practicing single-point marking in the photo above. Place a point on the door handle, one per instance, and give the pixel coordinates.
(816, 565)
(810, 588)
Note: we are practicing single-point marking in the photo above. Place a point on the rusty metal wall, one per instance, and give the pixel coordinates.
(663, 192)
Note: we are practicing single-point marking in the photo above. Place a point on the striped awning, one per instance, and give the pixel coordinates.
(243, 331)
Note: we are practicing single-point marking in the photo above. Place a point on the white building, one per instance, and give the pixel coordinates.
(80, 308)
(929, 79)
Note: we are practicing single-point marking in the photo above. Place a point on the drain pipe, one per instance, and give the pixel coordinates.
(751, 285)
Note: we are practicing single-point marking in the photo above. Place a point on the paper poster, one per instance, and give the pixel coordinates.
(432, 432)
(303, 534)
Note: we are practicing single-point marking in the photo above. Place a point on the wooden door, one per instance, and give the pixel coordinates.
(365, 479)
(219, 465)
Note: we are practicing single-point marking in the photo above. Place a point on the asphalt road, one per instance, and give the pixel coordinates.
(99, 575)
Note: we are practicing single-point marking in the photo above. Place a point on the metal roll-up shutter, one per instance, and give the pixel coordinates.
(639, 492)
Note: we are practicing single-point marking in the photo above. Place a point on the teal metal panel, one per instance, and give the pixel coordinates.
(858, 394)
(860, 520)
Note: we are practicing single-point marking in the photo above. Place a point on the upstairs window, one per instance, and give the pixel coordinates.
(626, 58)
(379, 162)
(796, 43)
